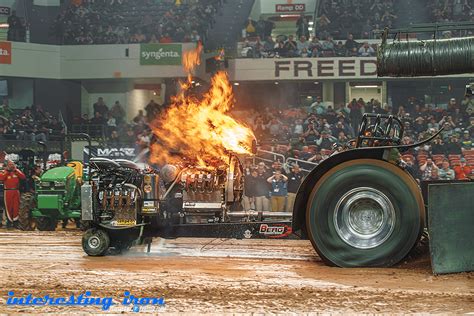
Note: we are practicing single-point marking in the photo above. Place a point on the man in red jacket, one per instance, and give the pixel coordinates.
(463, 171)
(11, 180)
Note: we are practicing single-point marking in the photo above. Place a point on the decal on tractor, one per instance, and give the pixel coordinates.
(275, 231)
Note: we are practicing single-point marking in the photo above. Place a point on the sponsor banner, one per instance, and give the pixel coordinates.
(304, 68)
(5, 53)
(160, 54)
(289, 8)
(275, 230)
(123, 152)
(5, 10)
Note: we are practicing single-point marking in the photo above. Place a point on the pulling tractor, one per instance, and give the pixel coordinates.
(359, 207)
(56, 198)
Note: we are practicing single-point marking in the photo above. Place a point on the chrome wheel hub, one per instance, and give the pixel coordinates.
(93, 242)
(364, 218)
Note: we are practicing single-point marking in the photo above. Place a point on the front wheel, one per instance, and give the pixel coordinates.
(364, 212)
(95, 242)
(46, 223)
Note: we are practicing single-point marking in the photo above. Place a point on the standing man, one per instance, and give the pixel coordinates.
(294, 180)
(11, 179)
(279, 191)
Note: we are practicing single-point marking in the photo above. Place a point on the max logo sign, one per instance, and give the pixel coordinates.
(275, 231)
(116, 152)
(5, 53)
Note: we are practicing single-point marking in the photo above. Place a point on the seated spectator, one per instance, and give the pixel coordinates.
(463, 171)
(98, 119)
(291, 47)
(453, 147)
(302, 46)
(269, 47)
(426, 169)
(340, 50)
(445, 172)
(114, 139)
(366, 50)
(328, 46)
(467, 143)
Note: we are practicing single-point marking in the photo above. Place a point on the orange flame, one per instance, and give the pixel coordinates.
(199, 128)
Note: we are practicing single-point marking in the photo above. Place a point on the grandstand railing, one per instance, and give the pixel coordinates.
(305, 166)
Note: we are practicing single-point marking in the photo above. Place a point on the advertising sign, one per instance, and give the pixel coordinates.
(160, 54)
(5, 53)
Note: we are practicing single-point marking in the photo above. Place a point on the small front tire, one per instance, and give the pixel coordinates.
(95, 242)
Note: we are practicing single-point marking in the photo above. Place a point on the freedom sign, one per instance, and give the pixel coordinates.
(160, 54)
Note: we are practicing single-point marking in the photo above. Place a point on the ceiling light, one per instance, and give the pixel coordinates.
(366, 87)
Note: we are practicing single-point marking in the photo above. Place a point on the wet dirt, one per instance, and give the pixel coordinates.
(220, 276)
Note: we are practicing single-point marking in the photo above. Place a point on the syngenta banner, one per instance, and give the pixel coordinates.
(160, 54)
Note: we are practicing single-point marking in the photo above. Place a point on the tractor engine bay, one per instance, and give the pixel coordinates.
(124, 194)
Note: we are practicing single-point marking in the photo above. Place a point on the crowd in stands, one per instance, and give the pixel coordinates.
(302, 47)
(29, 124)
(313, 134)
(110, 124)
(364, 18)
(128, 21)
(452, 11)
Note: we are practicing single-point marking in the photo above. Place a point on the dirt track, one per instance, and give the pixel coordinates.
(234, 276)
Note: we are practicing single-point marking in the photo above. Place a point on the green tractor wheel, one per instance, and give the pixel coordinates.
(95, 242)
(365, 212)
(27, 203)
(46, 223)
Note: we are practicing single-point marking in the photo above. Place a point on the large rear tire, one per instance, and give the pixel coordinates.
(95, 242)
(365, 213)
(27, 203)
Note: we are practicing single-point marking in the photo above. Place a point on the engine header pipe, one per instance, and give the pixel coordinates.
(425, 58)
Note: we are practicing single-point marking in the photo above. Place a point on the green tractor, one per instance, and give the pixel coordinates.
(57, 197)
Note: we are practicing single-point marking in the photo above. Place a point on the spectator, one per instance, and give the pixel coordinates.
(434, 175)
(250, 28)
(302, 46)
(366, 50)
(114, 139)
(262, 188)
(98, 119)
(302, 27)
(101, 107)
(295, 178)
(118, 113)
(427, 168)
(463, 171)
(291, 47)
(5, 111)
(356, 108)
(446, 173)
(467, 143)
(279, 191)
(248, 200)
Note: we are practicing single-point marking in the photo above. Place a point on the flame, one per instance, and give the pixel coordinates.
(200, 128)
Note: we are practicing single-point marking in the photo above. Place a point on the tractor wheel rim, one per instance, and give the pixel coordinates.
(364, 218)
(94, 242)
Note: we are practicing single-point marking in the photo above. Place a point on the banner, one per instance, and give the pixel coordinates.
(5, 10)
(5, 53)
(160, 54)
(123, 152)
